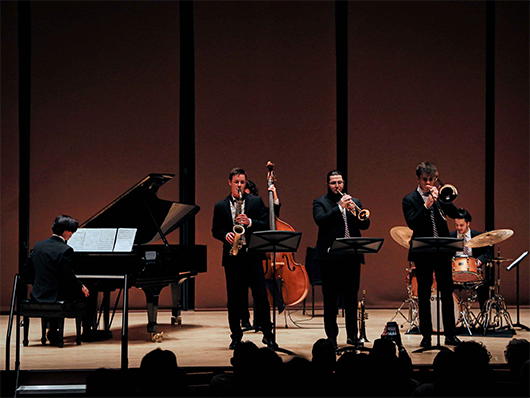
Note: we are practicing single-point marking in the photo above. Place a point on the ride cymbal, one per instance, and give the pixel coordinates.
(490, 238)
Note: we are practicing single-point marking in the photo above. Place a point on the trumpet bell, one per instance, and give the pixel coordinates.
(364, 214)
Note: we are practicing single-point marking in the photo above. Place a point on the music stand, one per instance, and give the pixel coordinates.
(509, 268)
(355, 246)
(436, 245)
(274, 242)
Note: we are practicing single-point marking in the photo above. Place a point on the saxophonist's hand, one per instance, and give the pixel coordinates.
(230, 237)
(242, 219)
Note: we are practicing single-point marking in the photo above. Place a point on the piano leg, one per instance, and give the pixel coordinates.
(152, 294)
(176, 307)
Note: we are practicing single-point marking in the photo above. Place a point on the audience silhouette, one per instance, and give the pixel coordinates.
(385, 371)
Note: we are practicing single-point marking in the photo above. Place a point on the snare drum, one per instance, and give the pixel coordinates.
(434, 309)
(465, 270)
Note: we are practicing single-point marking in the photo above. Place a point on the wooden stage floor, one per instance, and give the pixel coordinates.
(203, 339)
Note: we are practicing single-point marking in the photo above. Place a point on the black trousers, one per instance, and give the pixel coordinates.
(340, 275)
(441, 265)
(241, 272)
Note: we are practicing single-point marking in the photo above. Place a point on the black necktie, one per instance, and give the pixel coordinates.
(431, 210)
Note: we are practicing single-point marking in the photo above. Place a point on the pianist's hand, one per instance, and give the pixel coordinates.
(85, 291)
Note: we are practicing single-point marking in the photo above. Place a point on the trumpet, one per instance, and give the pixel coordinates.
(363, 316)
(361, 214)
(239, 230)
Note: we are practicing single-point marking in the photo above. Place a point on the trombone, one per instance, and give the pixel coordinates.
(446, 194)
(353, 209)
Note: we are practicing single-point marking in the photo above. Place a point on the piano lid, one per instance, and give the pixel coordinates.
(139, 207)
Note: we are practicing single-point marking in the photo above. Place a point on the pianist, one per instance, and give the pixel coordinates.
(48, 268)
(243, 269)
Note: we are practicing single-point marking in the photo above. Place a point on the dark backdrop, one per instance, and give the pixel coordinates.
(105, 100)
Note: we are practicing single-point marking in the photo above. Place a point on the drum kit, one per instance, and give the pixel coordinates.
(467, 278)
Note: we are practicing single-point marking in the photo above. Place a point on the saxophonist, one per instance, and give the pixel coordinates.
(242, 269)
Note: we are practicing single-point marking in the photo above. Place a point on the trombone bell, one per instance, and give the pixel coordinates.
(447, 194)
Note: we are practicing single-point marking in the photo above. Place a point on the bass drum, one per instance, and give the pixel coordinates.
(434, 309)
(413, 283)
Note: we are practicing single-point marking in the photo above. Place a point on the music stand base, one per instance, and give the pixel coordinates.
(431, 348)
(349, 348)
(519, 325)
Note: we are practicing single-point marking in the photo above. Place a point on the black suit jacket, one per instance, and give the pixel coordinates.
(223, 224)
(49, 270)
(418, 219)
(484, 254)
(330, 223)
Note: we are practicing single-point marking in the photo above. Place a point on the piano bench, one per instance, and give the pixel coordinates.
(57, 310)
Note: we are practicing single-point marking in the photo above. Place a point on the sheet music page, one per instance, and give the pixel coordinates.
(125, 239)
(77, 241)
(99, 239)
(93, 240)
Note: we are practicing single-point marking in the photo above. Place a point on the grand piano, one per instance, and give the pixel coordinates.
(149, 266)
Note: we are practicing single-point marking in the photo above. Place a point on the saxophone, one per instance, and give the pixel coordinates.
(363, 316)
(239, 230)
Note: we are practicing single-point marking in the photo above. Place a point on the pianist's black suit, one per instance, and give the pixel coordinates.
(244, 269)
(418, 219)
(49, 270)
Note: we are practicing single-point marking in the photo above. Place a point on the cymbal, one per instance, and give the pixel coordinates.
(501, 259)
(490, 238)
(402, 236)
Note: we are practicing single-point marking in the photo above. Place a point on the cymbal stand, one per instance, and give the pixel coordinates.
(466, 315)
(495, 314)
(412, 302)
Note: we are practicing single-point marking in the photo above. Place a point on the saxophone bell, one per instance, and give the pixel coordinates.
(239, 230)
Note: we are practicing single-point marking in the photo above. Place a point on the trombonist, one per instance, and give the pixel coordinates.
(340, 273)
(425, 215)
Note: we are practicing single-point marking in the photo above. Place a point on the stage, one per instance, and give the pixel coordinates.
(203, 337)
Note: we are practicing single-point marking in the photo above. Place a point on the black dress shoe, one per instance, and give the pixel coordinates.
(269, 341)
(334, 342)
(426, 342)
(246, 325)
(452, 340)
(234, 344)
(352, 341)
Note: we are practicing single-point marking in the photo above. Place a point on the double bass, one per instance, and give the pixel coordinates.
(290, 277)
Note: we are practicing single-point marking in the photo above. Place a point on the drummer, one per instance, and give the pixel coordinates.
(482, 254)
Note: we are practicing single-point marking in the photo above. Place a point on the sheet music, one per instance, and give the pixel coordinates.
(103, 239)
(125, 239)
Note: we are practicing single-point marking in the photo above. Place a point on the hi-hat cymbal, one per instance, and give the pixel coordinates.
(490, 238)
(402, 236)
(501, 259)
